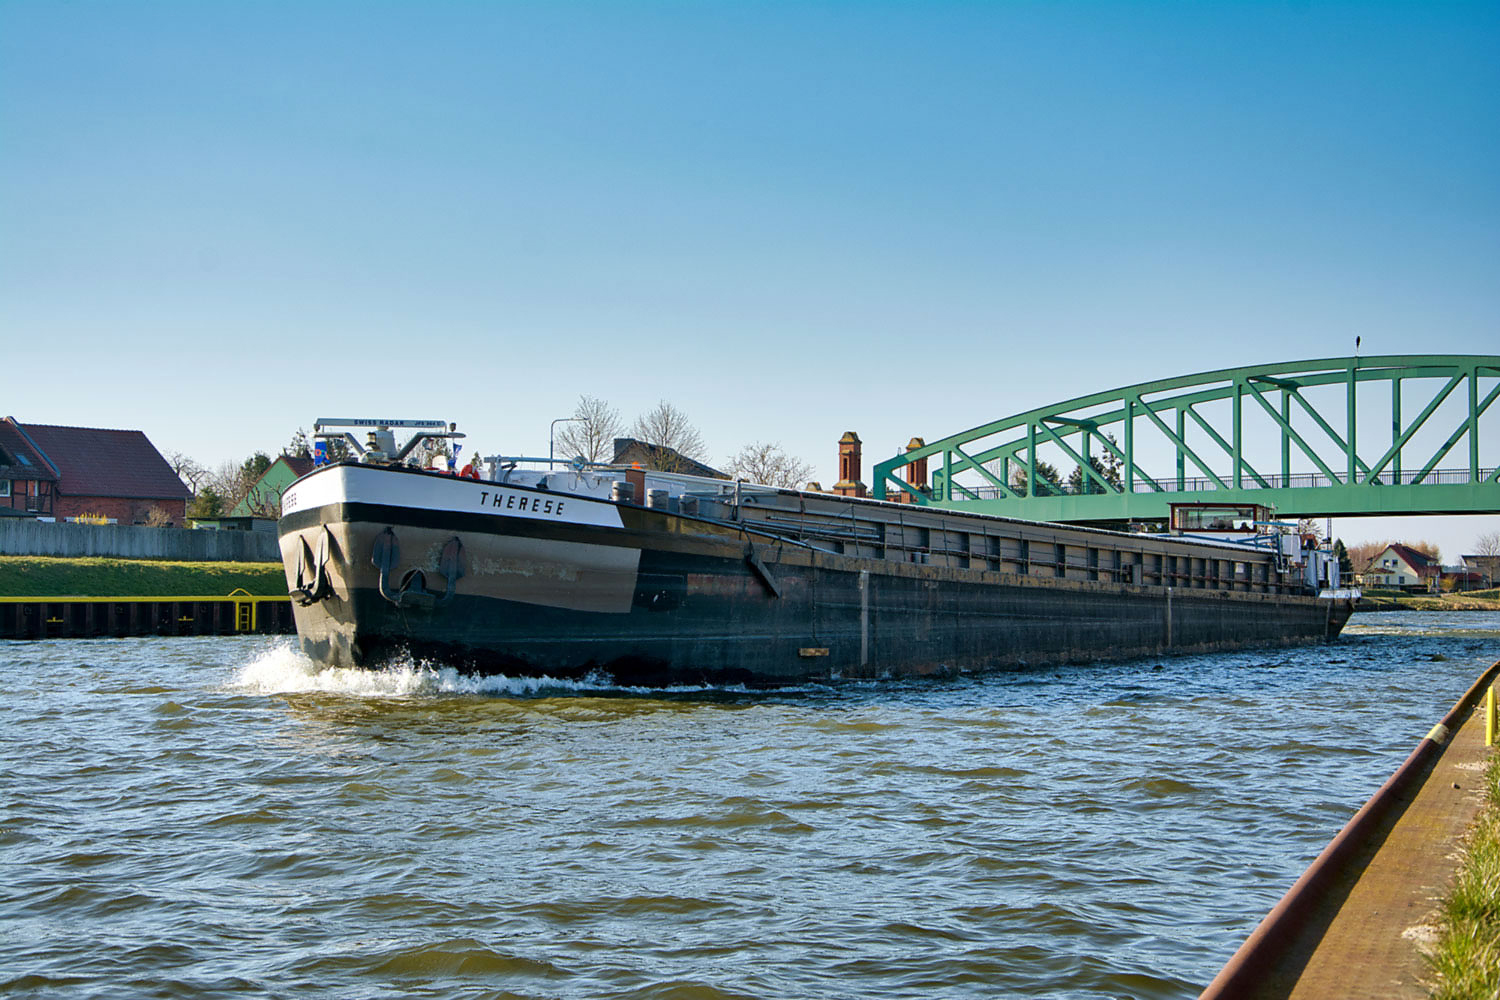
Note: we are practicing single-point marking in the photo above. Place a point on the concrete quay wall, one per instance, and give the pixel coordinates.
(1351, 926)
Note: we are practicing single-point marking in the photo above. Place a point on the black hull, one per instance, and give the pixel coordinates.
(1000, 630)
(707, 602)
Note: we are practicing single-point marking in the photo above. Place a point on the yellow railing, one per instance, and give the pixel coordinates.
(1491, 720)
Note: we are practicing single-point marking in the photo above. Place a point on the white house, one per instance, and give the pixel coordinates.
(1401, 566)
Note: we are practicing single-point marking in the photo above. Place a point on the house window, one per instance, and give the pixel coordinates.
(4, 487)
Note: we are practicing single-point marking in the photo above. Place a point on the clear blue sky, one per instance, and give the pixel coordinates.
(219, 221)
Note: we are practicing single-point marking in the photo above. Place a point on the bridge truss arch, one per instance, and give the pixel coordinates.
(1384, 435)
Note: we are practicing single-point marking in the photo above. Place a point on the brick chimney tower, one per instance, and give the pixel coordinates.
(849, 484)
(916, 472)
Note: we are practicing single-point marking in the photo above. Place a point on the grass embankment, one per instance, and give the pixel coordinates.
(1473, 600)
(1467, 958)
(42, 576)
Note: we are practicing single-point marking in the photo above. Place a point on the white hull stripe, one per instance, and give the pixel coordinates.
(353, 484)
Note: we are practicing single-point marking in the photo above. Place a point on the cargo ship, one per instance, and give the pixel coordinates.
(650, 578)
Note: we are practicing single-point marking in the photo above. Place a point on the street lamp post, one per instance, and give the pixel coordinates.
(552, 431)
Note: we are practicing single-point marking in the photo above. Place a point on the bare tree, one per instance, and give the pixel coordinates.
(666, 426)
(235, 481)
(593, 432)
(228, 482)
(1310, 526)
(769, 465)
(264, 503)
(158, 516)
(1362, 554)
(189, 471)
(1487, 546)
(1428, 549)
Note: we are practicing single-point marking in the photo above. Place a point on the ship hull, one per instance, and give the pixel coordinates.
(652, 597)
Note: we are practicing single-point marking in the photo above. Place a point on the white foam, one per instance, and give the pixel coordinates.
(282, 669)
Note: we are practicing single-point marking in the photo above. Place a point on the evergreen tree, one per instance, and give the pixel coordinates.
(207, 503)
(1048, 484)
(1346, 565)
(299, 447)
(1106, 465)
(255, 466)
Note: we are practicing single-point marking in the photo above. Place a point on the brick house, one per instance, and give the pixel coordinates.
(118, 474)
(27, 480)
(629, 451)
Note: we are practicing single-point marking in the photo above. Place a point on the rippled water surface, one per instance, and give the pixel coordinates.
(215, 817)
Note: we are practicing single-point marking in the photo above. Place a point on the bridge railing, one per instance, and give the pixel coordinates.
(1202, 484)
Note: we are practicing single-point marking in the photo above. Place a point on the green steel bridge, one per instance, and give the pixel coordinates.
(1383, 435)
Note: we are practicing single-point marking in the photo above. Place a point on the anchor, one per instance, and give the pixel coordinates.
(311, 592)
(412, 591)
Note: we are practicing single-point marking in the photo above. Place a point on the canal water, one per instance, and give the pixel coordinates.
(215, 817)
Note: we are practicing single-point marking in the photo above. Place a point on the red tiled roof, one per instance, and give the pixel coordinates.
(18, 458)
(95, 462)
(299, 466)
(660, 456)
(1416, 560)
